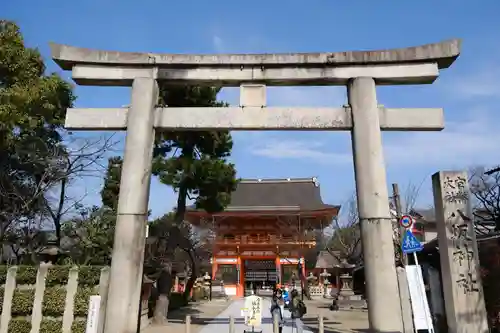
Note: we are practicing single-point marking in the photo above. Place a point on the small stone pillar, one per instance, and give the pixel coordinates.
(461, 279)
(325, 282)
(176, 284)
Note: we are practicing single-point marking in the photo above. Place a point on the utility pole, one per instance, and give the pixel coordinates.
(404, 294)
(397, 204)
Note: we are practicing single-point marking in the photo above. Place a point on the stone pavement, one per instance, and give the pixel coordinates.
(213, 317)
(200, 312)
(343, 321)
(220, 324)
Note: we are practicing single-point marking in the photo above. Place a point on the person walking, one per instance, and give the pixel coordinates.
(278, 309)
(298, 310)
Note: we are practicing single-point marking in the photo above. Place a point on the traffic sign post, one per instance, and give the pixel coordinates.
(410, 243)
(406, 221)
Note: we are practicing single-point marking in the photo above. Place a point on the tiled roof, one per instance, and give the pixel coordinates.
(326, 260)
(287, 194)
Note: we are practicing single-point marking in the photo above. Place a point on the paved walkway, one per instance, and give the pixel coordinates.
(213, 317)
(220, 324)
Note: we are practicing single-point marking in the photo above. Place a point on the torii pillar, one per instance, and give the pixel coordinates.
(359, 71)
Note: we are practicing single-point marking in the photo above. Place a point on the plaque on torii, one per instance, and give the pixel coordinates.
(360, 71)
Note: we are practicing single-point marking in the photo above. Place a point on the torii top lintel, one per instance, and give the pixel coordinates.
(443, 54)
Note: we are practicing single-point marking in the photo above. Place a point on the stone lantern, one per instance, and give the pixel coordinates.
(207, 285)
(324, 277)
(311, 279)
(346, 291)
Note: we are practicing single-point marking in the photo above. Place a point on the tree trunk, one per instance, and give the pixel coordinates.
(305, 288)
(181, 204)
(194, 274)
(164, 287)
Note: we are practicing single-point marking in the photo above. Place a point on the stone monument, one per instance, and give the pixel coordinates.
(359, 71)
(459, 259)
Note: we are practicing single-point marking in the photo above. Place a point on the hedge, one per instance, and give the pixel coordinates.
(79, 326)
(19, 325)
(89, 275)
(54, 301)
(2, 291)
(57, 275)
(176, 301)
(51, 326)
(81, 304)
(26, 274)
(3, 274)
(22, 302)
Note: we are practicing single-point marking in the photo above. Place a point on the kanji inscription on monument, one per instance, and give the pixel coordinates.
(463, 293)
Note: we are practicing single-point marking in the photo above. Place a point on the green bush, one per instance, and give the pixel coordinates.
(50, 326)
(82, 300)
(22, 302)
(78, 326)
(89, 275)
(3, 274)
(54, 301)
(57, 275)
(19, 325)
(176, 301)
(26, 274)
(2, 291)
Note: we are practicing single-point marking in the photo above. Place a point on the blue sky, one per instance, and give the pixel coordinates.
(469, 91)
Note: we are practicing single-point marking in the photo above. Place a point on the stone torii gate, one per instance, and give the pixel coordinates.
(360, 71)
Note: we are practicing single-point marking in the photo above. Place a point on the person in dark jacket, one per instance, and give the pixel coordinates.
(277, 308)
(297, 310)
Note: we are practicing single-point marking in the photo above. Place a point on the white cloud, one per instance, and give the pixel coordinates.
(485, 83)
(473, 141)
(470, 141)
(299, 149)
(218, 44)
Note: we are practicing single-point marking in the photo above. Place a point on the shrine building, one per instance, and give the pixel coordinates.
(261, 236)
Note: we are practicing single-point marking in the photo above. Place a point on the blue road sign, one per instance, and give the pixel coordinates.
(410, 243)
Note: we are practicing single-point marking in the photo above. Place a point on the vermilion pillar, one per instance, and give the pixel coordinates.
(213, 261)
(278, 271)
(303, 268)
(240, 287)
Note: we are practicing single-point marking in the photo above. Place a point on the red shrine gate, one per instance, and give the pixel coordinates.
(260, 236)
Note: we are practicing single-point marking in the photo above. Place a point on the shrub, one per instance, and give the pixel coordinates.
(176, 301)
(2, 291)
(82, 300)
(22, 302)
(89, 275)
(57, 275)
(54, 301)
(3, 274)
(51, 326)
(78, 326)
(19, 325)
(26, 275)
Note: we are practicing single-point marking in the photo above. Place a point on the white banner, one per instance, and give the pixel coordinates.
(93, 314)
(421, 312)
